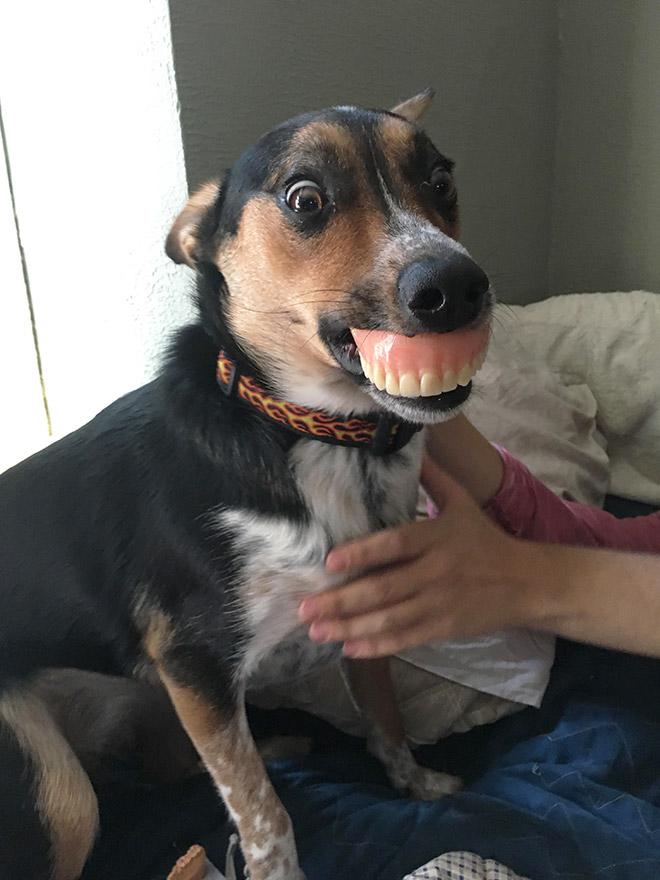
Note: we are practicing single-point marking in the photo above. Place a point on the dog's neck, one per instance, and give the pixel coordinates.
(382, 435)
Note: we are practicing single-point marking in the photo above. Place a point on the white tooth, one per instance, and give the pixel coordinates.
(431, 385)
(366, 368)
(409, 385)
(464, 375)
(449, 381)
(392, 383)
(378, 377)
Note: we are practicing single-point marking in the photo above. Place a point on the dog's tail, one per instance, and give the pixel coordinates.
(48, 809)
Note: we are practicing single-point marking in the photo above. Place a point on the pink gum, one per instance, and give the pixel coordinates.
(424, 353)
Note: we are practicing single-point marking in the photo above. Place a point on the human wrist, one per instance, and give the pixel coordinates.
(543, 593)
(465, 454)
(565, 579)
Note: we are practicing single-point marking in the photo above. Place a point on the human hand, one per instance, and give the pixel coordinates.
(451, 577)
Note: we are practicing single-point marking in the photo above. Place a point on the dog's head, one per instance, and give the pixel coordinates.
(339, 274)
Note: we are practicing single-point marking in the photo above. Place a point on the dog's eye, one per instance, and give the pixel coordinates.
(442, 184)
(305, 197)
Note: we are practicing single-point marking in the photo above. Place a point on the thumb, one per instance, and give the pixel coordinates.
(439, 486)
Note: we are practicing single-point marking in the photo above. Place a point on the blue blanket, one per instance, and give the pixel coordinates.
(570, 790)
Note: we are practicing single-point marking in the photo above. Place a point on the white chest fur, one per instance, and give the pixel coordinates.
(348, 494)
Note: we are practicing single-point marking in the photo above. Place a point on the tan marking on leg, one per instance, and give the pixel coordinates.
(158, 630)
(230, 755)
(64, 795)
(370, 682)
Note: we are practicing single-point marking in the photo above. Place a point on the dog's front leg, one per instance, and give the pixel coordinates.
(225, 744)
(371, 685)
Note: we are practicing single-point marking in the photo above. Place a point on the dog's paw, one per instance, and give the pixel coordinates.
(280, 873)
(405, 774)
(430, 785)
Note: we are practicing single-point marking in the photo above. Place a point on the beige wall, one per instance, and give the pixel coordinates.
(606, 217)
(243, 66)
(550, 107)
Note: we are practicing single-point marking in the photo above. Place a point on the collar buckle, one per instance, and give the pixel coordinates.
(383, 441)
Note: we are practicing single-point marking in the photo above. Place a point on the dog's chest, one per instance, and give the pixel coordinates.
(346, 494)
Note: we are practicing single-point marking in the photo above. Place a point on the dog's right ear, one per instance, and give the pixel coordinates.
(189, 231)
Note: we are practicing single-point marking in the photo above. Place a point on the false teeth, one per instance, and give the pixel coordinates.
(409, 385)
(392, 383)
(429, 384)
(378, 377)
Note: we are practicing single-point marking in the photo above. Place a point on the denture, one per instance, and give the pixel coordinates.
(424, 365)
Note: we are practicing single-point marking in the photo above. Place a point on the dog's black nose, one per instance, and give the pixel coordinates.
(442, 294)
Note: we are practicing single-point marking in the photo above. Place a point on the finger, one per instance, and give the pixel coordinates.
(420, 632)
(372, 624)
(377, 550)
(362, 596)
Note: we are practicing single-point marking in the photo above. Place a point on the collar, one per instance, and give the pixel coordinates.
(380, 436)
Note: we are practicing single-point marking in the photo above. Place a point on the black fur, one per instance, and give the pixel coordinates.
(116, 517)
(24, 845)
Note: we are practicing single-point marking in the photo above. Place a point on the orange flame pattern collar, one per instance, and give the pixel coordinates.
(381, 436)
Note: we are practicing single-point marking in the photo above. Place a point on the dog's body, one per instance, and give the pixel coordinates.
(173, 536)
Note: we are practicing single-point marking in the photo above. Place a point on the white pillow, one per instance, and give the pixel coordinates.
(545, 419)
(609, 342)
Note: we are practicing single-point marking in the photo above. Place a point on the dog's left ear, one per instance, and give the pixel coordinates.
(414, 108)
(184, 243)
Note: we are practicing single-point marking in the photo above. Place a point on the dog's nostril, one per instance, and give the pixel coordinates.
(430, 299)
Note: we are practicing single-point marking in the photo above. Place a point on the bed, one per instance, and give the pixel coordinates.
(568, 790)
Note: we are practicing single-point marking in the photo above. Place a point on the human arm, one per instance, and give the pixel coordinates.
(522, 504)
(459, 575)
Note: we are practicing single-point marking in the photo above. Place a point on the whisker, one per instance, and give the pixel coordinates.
(307, 341)
(280, 311)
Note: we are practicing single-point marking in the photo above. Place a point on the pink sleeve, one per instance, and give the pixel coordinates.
(528, 509)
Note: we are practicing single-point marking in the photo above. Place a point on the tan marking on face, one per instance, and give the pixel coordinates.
(65, 798)
(279, 281)
(396, 139)
(231, 757)
(314, 139)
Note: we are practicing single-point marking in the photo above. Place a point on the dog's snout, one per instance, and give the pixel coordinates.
(442, 294)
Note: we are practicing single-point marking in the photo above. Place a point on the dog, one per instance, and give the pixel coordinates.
(172, 538)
